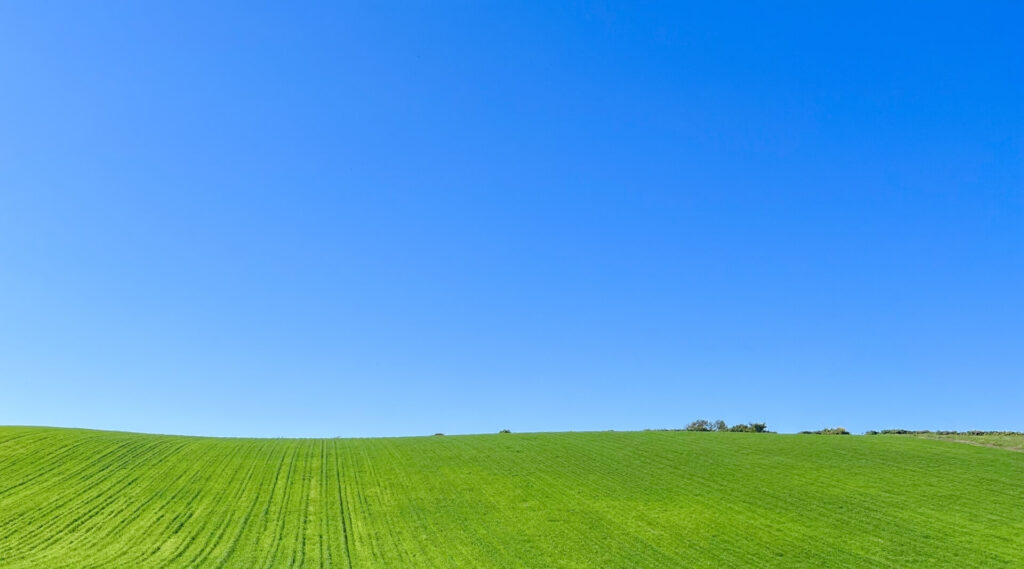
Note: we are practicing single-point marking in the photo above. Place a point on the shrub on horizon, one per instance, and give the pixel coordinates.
(750, 428)
(699, 425)
(833, 431)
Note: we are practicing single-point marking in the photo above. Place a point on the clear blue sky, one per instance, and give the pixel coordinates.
(403, 218)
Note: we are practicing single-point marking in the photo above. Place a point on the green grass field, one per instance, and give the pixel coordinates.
(1011, 442)
(91, 499)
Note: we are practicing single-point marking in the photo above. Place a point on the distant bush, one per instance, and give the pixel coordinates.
(504, 432)
(835, 431)
(699, 425)
(703, 425)
(438, 434)
(750, 428)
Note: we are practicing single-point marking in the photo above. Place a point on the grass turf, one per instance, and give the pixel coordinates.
(1010, 442)
(93, 499)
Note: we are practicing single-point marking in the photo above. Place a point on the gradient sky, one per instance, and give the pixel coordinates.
(371, 219)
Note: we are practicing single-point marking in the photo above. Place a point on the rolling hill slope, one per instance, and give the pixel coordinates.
(93, 499)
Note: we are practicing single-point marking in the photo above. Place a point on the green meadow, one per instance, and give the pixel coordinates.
(1008, 441)
(92, 499)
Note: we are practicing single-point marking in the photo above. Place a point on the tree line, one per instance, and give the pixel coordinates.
(720, 426)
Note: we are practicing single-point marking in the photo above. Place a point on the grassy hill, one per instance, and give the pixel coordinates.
(1007, 441)
(92, 499)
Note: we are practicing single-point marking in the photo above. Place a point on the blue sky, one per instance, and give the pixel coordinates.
(373, 219)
